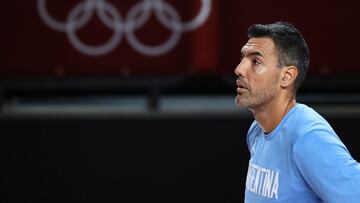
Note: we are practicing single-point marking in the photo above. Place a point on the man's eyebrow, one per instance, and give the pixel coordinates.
(254, 53)
(250, 53)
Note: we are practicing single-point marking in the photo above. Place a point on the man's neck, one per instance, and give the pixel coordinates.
(270, 115)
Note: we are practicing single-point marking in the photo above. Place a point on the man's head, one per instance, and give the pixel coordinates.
(290, 46)
(275, 58)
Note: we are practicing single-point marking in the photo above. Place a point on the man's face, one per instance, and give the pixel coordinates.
(258, 73)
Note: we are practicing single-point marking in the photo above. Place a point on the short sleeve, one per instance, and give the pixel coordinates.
(327, 166)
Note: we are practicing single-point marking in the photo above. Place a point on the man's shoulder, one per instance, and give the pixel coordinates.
(310, 125)
(253, 132)
(303, 121)
(306, 119)
(253, 127)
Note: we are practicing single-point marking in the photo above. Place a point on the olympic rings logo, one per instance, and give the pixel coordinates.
(137, 16)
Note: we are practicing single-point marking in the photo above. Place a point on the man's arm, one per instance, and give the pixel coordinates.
(328, 167)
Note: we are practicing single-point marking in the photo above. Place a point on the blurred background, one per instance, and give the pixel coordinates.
(133, 100)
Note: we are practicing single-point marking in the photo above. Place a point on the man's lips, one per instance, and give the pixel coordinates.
(241, 87)
(241, 90)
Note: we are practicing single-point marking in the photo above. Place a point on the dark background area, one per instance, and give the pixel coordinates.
(129, 127)
(147, 159)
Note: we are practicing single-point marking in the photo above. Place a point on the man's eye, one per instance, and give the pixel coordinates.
(255, 61)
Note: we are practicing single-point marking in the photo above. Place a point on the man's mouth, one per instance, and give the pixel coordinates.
(240, 87)
(241, 90)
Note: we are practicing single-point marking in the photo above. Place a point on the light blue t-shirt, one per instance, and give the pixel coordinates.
(301, 160)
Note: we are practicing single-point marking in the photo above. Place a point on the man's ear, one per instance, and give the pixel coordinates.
(288, 75)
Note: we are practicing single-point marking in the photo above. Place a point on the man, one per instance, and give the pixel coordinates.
(295, 154)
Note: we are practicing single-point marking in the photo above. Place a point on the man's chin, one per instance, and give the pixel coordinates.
(239, 103)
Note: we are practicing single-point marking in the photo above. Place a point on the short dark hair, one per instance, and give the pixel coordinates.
(290, 44)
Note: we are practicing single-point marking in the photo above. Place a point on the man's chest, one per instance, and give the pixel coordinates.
(272, 172)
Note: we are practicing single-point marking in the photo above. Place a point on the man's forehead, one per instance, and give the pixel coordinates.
(262, 44)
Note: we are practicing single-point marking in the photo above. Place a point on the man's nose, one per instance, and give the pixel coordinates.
(240, 69)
